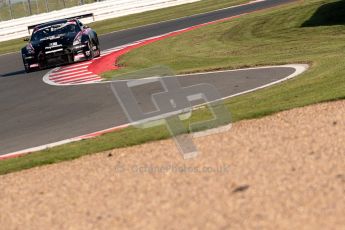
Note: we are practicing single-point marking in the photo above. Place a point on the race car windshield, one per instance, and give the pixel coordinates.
(53, 30)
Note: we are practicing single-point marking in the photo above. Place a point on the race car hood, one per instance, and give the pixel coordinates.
(53, 41)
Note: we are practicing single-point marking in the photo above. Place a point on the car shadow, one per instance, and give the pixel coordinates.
(12, 74)
(17, 73)
(327, 15)
(20, 72)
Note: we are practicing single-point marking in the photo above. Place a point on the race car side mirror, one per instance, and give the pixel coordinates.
(26, 39)
(86, 27)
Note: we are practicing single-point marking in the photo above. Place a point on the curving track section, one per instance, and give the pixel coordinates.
(33, 113)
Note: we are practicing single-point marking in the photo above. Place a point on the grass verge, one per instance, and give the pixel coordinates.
(303, 32)
(273, 37)
(134, 20)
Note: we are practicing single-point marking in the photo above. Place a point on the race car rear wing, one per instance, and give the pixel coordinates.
(75, 17)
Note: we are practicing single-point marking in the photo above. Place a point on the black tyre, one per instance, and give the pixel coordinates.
(26, 67)
(90, 45)
(98, 51)
(95, 50)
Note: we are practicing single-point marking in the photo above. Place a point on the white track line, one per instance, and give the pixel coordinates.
(71, 70)
(75, 78)
(89, 79)
(299, 69)
(52, 81)
(56, 75)
(175, 19)
(66, 76)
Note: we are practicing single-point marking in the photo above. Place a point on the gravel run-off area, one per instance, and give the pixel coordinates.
(285, 171)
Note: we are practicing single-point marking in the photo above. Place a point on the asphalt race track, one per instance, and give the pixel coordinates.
(33, 113)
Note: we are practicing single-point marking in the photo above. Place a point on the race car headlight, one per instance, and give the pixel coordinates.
(30, 49)
(77, 40)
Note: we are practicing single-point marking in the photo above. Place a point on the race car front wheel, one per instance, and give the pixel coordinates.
(93, 49)
(89, 53)
(97, 51)
(26, 66)
(27, 69)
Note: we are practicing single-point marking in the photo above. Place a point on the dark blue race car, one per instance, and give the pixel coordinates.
(60, 42)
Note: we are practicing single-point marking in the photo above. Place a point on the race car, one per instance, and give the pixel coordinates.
(59, 42)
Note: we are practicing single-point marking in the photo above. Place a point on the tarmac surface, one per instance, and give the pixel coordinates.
(33, 113)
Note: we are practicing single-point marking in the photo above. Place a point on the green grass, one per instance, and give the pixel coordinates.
(264, 38)
(130, 21)
(145, 18)
(126, 137)
(273, 37)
